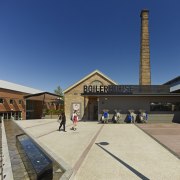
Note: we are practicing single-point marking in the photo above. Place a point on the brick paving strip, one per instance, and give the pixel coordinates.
(85, 153)
(85, 164)
(168, 135)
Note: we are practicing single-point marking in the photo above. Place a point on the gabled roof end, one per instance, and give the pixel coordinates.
(86, 77)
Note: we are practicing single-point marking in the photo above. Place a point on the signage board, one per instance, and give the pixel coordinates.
(125, 89)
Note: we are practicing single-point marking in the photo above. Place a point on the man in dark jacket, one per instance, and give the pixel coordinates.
(62, 117)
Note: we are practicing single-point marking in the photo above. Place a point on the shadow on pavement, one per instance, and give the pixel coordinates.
(122, 162)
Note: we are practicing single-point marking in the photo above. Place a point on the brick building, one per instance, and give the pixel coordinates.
(74, 100)
(21, 102)
(96, 92)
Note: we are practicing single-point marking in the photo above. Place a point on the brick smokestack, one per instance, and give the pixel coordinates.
(145, 69)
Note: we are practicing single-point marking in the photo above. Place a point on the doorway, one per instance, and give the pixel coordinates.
(93, 109)
(95, 113)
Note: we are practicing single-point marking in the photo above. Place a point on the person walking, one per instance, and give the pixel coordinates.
(75, 120)
(62, 119)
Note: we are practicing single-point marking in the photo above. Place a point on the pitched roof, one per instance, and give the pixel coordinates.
(173, 81)
(44, 96)
(17, 87)
(89, 75)
(175, 88)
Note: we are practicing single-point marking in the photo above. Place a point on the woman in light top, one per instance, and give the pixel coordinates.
(75, 120)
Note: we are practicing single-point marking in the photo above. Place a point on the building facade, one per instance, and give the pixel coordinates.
(20, 102)
(12, 104)
(87, 107)
(96, 93)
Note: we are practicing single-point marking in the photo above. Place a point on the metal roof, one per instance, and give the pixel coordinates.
(173, 81)
(175, 88)
(17, 87)
(43, 96)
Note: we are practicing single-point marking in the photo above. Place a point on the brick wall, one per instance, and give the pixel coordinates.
(74, 96)
(145, 71)
(15, 96)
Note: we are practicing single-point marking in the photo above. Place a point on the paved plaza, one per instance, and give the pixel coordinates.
(105, 151)
(167, 134)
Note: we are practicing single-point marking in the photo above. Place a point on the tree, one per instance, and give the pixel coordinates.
(59, 91)
(60, 101)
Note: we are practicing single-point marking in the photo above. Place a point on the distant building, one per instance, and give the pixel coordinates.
(174, 84)
(21, 102)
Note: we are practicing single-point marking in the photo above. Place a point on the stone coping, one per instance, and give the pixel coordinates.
(7, 168)
(68, 171)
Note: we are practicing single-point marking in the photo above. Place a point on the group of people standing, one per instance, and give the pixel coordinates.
(131, 117)
(141, 118)
(115, 119)
(62, 121)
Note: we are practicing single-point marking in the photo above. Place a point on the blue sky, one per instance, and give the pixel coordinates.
(47, 43)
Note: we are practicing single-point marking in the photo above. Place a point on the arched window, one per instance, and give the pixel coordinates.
(96, 83)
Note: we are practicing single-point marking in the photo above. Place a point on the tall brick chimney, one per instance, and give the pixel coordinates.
(145, 69)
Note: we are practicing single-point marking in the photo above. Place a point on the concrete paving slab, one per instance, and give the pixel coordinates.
(70, 145)
(129, 154)
(39, 127)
